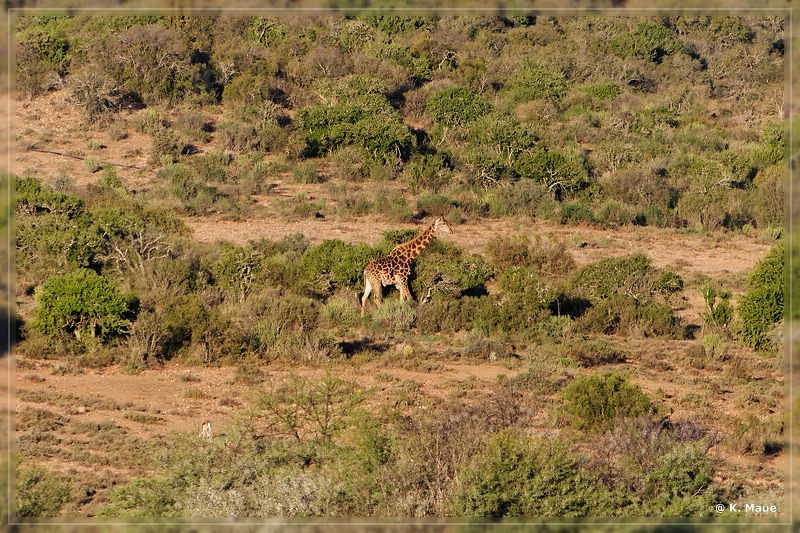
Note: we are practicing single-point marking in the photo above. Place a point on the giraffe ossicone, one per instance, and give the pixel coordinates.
(395, 268)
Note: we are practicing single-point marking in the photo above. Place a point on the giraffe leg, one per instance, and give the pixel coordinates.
(402, 286)
(367, 290)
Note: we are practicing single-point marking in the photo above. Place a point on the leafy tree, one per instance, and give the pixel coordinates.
(631, 275)
(54, 232)
(83, 303)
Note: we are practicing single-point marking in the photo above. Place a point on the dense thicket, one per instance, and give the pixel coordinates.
(665, 121)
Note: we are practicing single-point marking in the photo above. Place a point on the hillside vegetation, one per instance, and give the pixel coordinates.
(610, 123)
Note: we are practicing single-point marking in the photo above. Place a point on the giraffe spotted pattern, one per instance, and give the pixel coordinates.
(395, 268)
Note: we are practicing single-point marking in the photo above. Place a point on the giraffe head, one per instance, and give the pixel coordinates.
(442, 226)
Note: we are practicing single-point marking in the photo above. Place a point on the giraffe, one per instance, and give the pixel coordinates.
(395, 268)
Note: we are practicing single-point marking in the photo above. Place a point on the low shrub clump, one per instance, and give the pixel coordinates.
(593, 402)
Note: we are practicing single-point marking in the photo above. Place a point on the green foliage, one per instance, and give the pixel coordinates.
(596, 400)
(447, 314)
(447, 268)
(40, 493)
(649, 41)
(83, 303)
(165, 147)
(351, 86)
(504, 137)
(514, 475)
(395, 315)
(624, 294)
(561, 171)
(506, 252)
(54, 232)
(152, 61)
(576, 213)
(33, 199)
(772, 145)
(763, 302)
(524, 197)
(334, 264)
(534, 81)
(307, 410)
(457, 106)
(631, 275)
(368, 121)
(718, 315)
(144, 498)
(603, 91)
(428, 172)
(730, 29)
(47, 38)
(681, 483)
(237, 269)
(307, 173)
(197, 196)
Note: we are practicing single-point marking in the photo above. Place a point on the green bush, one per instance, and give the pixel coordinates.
(395, 315)
(595, 401)
(625, 315)
(340, 313)
(506, 252)
(576, 213)
(445, 267)
(237, 270)
(524, 197)
(428, 172)
(718, 314)
(603, 91)
(534, 81)
(763, 302)
(631, 275)
(165, 147)
(307, 173)
(457, 106)
(651, 42)
(513, 475)
(83, 303)
(445, 315)
(681, 484)
(563, 172)
(334, 264)
(594, 353)
(368, 121)
(40, 493)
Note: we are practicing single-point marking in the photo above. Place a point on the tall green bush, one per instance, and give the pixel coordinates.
(763, 303)
(83, 303)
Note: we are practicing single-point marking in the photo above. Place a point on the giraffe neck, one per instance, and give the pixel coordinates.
(414, 247)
